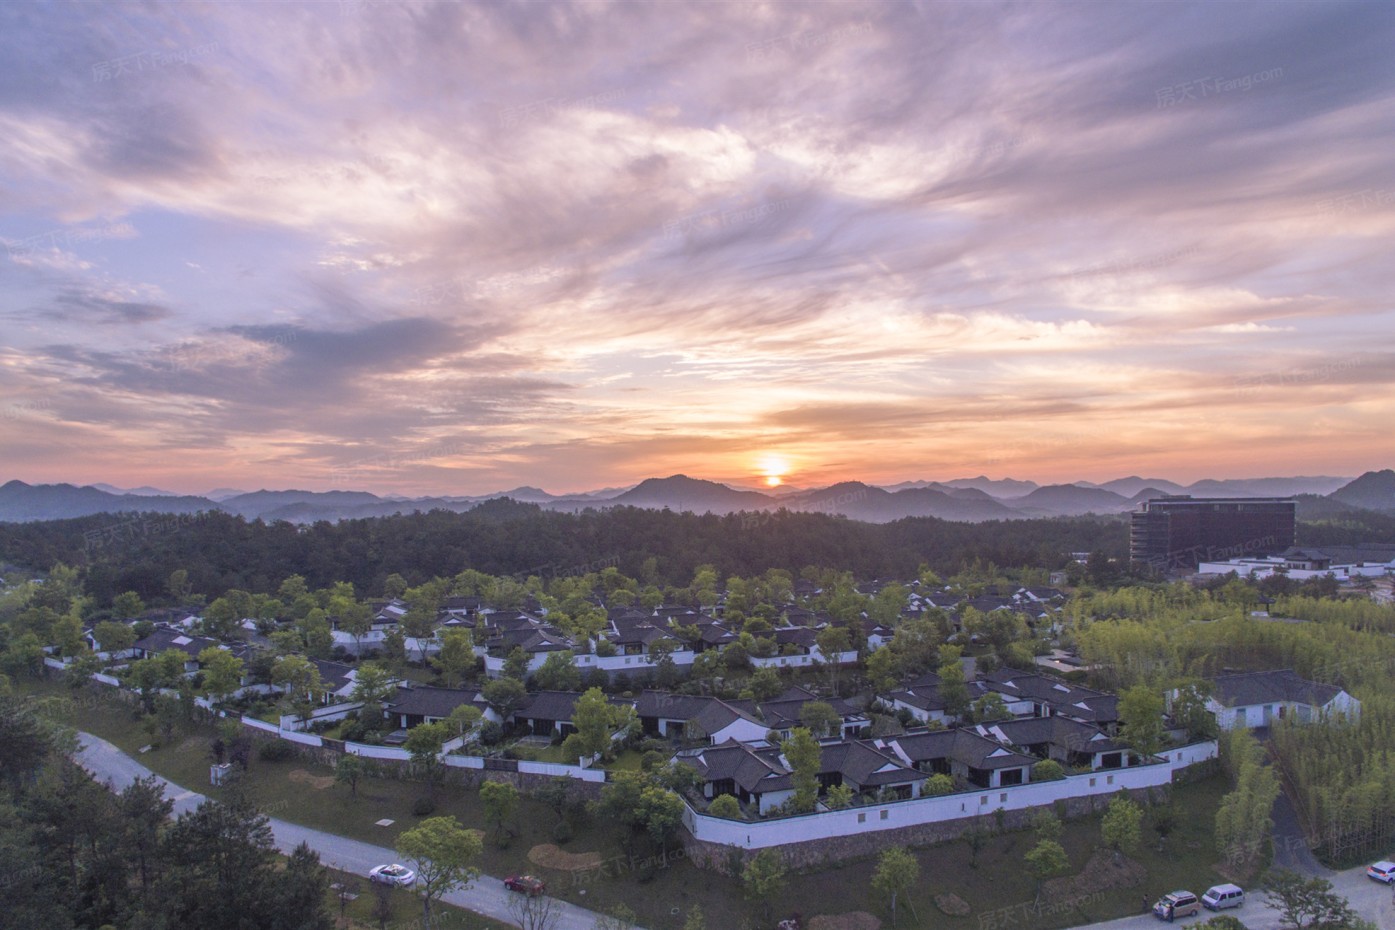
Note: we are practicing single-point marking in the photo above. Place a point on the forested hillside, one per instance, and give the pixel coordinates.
(138, 552)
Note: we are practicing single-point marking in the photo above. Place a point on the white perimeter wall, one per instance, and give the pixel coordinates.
(762, 834)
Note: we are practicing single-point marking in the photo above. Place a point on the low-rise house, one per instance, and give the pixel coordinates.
(637, 636)
(690, 716)
(163, 638)
(782, 714)
(753, 775)
(1070, 742)
(1369, 560)
(1039, 595)
(921, 699)
(1029, 694)
(418, 705)
(869, 769)
(760, 776)
(877, 635)
(964, 755)
(1259, 699)
(389, 614)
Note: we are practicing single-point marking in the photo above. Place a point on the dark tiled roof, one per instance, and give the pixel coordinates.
(1072, 735)
(754, 770)
(710, 713)
(433, 702)
(988, 602)
(963, 746)
(1271, 687)
(1022, 685)
(333, 675)
(719, 714)
(165, 638)
(866, 765)
(795, 636)
(667, 706)
(549, 705)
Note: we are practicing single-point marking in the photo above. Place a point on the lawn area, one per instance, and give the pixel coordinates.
(627, 761)
(305, 793)
(544, 754)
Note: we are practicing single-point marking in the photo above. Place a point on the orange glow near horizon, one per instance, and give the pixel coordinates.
(774, 468)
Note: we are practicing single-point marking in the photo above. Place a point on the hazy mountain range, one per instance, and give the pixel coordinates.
(965, 499)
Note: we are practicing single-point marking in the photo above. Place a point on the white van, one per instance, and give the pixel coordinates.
(1220, 897)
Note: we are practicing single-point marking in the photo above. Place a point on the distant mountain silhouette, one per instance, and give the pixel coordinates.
(527, 494)
(679, 492)
(1374, 490)
(136, 492)
(20, 502)
(1132, 485)
(1062, 500)
(1264, 487)
(964, 499)
(1148, 494)
(1002, 488)
(263, 503)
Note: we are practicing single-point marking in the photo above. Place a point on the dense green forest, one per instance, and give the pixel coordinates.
(129, 552)
(74, 854)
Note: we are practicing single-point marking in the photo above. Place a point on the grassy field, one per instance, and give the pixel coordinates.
(306, 794)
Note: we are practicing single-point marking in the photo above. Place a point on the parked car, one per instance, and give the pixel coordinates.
(1220, 897)
(1177, 904)
(526, 884)
(1383, 871)
(394, 874)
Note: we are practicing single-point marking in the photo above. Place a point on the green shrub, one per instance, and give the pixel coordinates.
(275, 751)
(423, 807)
(725, 806)
(562, 833)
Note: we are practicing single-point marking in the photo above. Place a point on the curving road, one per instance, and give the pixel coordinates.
(486, 895)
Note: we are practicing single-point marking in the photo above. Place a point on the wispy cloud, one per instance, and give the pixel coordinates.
(587, 243)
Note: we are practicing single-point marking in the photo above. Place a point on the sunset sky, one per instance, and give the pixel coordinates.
(456, 248)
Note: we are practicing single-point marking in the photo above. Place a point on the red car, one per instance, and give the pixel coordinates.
(526, 884)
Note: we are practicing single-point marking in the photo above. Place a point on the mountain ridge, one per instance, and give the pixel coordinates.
(963, 499)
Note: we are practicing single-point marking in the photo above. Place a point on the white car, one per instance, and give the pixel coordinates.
(393, 875)
(1383, 871)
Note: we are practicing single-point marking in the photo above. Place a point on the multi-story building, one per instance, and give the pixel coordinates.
(1180, 532)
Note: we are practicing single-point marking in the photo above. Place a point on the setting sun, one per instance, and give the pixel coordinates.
(774, 468)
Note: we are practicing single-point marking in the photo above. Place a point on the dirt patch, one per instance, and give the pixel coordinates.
(853, 920)
(1100, 872)
(552, 857)
(952, 904)
(318, 782)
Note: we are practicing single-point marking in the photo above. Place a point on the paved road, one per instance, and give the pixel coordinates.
(486, 895)
(1291, 849)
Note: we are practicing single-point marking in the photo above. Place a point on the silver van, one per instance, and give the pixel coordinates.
(1220, 897)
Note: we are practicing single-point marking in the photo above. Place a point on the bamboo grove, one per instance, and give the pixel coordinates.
(1341, 774)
